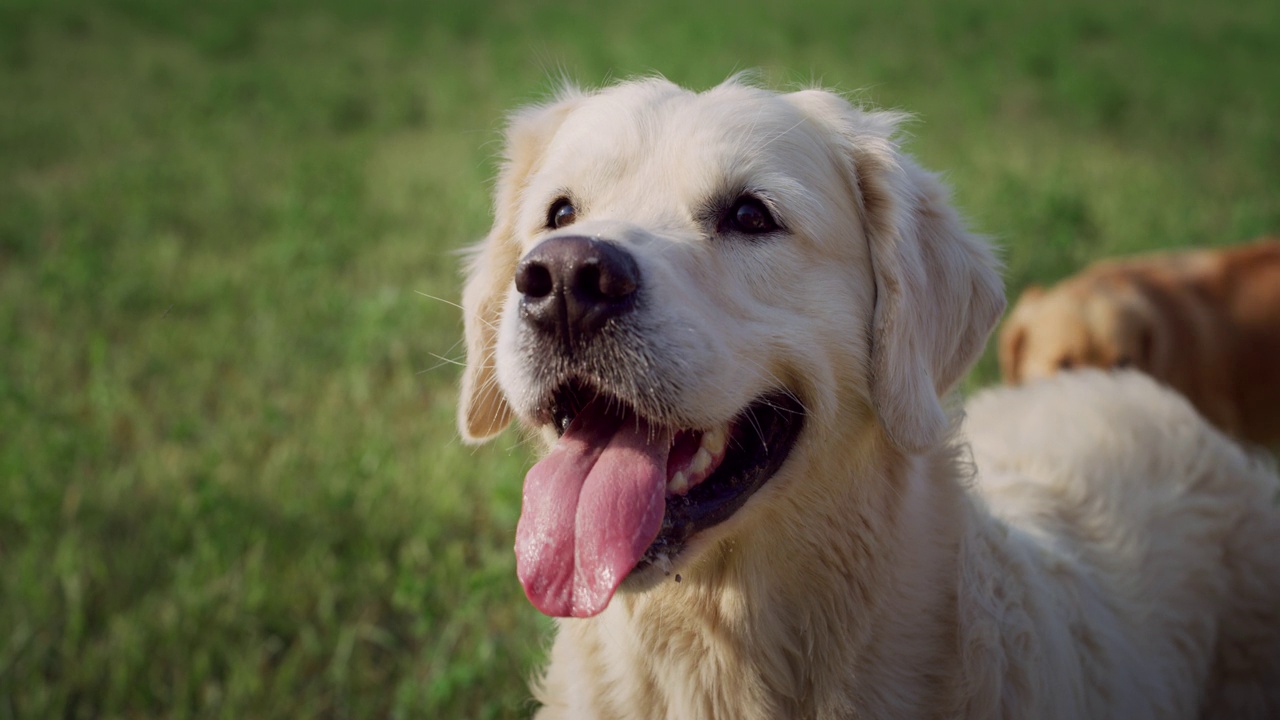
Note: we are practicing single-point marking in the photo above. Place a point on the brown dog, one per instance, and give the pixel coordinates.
(1205, 322)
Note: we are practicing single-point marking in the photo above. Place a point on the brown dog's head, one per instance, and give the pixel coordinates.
(689, 296)
(1082, 322)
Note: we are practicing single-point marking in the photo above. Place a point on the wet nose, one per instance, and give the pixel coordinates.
(572, 286)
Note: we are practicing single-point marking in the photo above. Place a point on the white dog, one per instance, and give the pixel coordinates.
(731, 316)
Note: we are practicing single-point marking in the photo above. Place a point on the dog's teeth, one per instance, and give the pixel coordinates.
(678, 484)
(713, 441)
(701, 461)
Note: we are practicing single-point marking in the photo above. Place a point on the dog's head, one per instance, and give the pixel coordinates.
(1086, 321)
(680, 288)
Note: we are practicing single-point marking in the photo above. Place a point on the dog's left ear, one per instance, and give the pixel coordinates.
(938, 293)
(482, 410)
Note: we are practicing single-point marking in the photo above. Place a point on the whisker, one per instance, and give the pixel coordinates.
(522, 441)
(780, 385)
(491, 323)
(433, 297)
(751, 418)
(443, 361)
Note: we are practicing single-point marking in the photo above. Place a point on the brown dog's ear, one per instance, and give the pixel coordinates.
(1144, 349)
(937, 290)
(1013, 336)
(490, 269)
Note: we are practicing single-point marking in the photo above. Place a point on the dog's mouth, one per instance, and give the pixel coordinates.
(620, 492)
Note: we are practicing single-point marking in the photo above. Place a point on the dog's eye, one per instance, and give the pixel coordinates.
(1065, 363)
(750, 216)
(1123, 361)
(561, 213)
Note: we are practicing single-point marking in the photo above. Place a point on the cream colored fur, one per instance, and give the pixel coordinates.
(1111, 557)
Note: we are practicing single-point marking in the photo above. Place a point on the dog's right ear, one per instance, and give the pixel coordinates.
(490, 269)
(937, 290)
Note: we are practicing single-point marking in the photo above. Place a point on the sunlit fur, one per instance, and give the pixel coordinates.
(1113, 556)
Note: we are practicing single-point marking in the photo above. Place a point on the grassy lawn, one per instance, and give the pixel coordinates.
(229, 480)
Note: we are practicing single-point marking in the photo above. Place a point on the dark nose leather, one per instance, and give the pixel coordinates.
(572, 286)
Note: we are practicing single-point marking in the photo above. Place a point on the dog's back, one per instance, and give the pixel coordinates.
(1139, 509)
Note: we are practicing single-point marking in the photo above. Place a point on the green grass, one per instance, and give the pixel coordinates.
(229, 480)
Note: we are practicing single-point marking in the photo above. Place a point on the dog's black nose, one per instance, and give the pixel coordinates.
(572, 285)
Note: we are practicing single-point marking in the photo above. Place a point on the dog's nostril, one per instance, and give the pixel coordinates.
(587, 281)
(614, 281)
(598, 282)
(534, 280)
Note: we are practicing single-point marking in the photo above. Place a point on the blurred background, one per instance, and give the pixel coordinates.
(230, 485)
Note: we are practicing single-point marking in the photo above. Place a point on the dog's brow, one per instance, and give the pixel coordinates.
(770, 140)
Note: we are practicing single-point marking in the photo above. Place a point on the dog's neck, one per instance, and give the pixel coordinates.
(750, 624)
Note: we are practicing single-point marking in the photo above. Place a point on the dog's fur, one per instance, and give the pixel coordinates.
(1205, 322)
(1112, 556)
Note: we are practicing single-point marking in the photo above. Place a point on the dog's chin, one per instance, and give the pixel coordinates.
(741, 456)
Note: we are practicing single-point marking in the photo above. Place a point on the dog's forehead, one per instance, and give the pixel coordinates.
(647, 115)
(1067, 322)
(654, 131)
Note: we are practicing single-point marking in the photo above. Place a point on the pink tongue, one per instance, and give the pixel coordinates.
(591, 508)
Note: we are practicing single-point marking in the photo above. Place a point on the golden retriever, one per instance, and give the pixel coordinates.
(1205, 322)
(732, 318)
